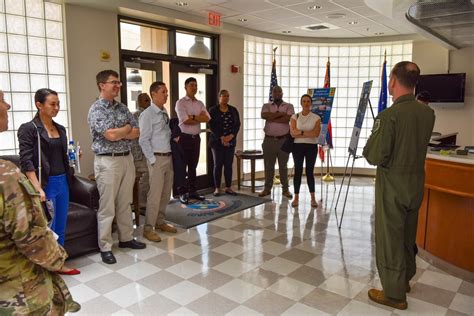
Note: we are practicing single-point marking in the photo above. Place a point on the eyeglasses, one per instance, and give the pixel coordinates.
(115, 82)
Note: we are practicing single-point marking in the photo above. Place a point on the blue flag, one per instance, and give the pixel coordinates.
(273, 81)
(383, 88)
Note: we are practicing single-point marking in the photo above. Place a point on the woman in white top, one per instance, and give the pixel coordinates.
(305, 128)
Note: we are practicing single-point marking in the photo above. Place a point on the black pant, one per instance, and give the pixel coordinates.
(223, 157)
(179, 168)
(300, 153)
(191, 147)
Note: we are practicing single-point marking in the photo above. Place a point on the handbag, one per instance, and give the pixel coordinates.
(48, 206)
(289, 142)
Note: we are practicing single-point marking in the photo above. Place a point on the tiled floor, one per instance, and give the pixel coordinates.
(271, 259)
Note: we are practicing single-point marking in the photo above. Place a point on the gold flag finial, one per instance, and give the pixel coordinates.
(385, 55)
(274, 52)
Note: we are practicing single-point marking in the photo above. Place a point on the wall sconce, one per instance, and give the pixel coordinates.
(234, 69)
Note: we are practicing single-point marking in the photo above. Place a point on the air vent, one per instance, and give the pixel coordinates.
(316, 27)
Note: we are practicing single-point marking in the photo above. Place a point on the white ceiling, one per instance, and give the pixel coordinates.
(281, 16)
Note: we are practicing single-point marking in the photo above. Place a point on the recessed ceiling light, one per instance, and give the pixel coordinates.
(242, 20)
(336, 16)
(352, 22)
(286, 32)
(181, 4)
(379, 33)
(314, 7)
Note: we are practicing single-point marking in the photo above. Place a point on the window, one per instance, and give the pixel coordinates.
(143, 38)
(196, 46)
(31, 57)
(303, 65)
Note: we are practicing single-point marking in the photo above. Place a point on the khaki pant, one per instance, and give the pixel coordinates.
(144, 184)
(271, 151)
(161, 183)
(115, 177)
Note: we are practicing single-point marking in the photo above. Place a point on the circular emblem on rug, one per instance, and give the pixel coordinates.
(207, 204)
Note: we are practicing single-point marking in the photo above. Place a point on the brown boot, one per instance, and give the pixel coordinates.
(150, 234)
(166, 228)
(287, 194)
(378, 297)
(264, 193)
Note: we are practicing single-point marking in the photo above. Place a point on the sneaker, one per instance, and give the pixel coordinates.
(184, 199)
(166, 228)
(151, 235)
(378, 297)
(264, 193)
(287, 194)
(132, 244)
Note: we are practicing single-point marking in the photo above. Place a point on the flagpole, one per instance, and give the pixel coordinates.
(328, 177)
(276, 178)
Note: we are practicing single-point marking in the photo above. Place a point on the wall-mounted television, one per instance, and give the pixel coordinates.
(446, 90)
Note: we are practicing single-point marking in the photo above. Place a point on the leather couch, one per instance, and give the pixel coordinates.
(81, 229)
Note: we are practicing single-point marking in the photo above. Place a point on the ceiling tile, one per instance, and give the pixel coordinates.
(248, 6)
(288, 2)
(365, 11)
(349, 3)
(224, 12)
(299, 21)
(303, 8)
(276, 14)
(371, 30)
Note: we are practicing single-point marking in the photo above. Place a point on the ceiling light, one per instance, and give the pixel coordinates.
(352, 22)
(242, 20)
(314, 7)
(336, 16)
(379, 33)
(181, 4)
(286, 32)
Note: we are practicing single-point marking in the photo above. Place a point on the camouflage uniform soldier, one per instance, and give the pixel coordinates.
(397, 147)
(29, 252)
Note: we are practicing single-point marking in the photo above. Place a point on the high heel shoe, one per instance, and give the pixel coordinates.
(294, 203)
(70, 272)
(314, 204)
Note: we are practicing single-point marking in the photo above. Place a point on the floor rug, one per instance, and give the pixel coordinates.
(190, 215)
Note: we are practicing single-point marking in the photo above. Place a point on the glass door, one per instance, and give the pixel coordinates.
(207, 93)
(138, 74)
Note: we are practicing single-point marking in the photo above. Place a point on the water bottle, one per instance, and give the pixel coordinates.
(71, 152)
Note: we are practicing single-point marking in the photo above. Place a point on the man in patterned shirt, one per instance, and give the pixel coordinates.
(113, 127)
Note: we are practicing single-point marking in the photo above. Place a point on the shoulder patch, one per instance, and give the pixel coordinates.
(376, 126)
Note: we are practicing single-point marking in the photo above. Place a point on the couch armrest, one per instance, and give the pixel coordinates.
(84, 191)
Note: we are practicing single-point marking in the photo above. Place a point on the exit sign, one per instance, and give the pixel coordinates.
(214, 19)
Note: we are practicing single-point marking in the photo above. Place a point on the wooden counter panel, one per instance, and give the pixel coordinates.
(422, 215)
(450, 177)
(450, 229)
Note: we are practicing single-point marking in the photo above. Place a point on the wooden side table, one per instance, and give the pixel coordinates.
(252, 156)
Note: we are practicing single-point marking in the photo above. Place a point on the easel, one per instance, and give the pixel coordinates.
(354, 158)
(328, 177)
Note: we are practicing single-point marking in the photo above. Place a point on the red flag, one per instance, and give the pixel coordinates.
(327, 84)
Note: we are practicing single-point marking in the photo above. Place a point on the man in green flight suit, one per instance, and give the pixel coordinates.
(29, 252)
(397, 146)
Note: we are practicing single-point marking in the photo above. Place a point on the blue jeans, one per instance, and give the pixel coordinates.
(57, 190)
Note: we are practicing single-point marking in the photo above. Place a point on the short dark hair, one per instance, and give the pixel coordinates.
(306, 96)
(407, 73)
(42, 94)
(277, 87)
(155, 86)
(190, 79)
(423, 96)
(222, 92)
(103, 75)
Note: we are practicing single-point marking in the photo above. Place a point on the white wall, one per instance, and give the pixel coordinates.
(232, 53)
(88, 31)
(433, 58)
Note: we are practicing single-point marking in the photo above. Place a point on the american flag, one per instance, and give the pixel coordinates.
(273, 81)
(383, 90)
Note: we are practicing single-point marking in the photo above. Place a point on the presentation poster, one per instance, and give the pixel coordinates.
(322, 106)
(359, 120)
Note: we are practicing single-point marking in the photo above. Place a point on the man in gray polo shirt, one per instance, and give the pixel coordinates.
(277, 116)
(113, 127)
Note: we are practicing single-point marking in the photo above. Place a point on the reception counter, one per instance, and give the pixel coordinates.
(446, 216)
